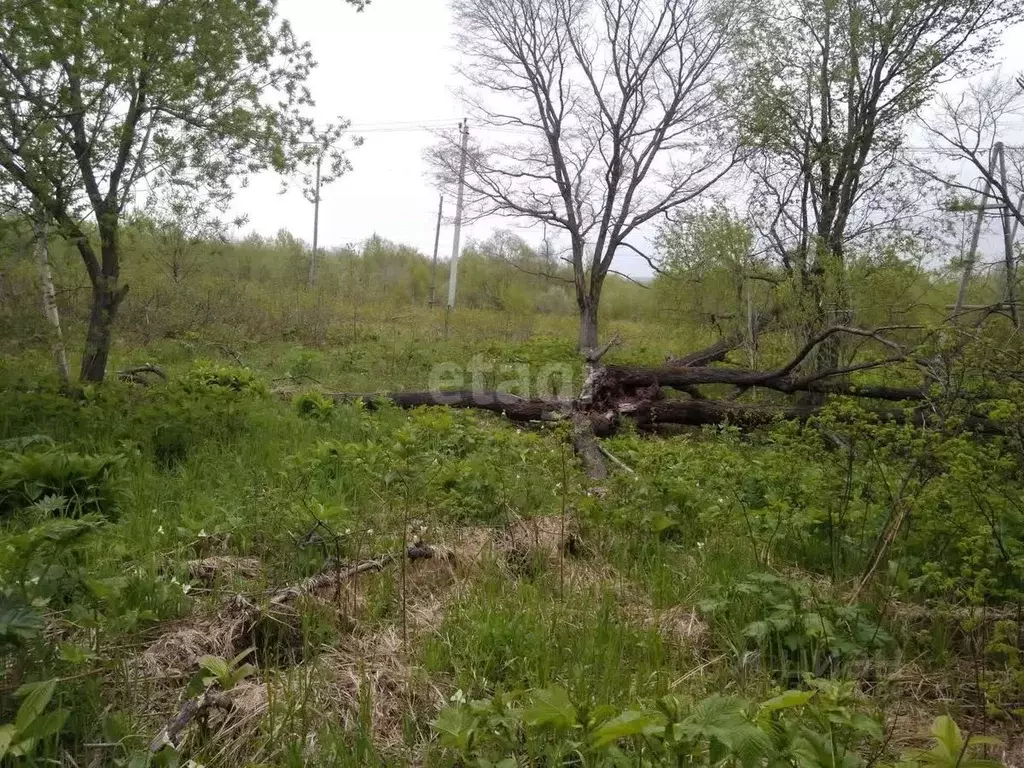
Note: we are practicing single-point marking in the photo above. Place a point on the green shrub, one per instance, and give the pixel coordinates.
(796, 630)
(313, 405)
(205, 375)
(826, 725)
(85, 483)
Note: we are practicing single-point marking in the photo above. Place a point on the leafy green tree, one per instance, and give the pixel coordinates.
(830, 91)
(101, 94)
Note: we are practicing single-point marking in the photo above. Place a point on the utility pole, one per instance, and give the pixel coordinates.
(437, 240)
(965, 278)
(1005, 215)
(316, 223)
(453, 276)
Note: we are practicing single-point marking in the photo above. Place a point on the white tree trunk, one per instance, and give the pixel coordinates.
(50, 303)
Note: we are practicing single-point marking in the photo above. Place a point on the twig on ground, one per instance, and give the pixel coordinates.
(616, 460)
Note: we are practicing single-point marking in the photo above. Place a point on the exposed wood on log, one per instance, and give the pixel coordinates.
(717, 351)
(331, 576)
(193, 707)
(594, 357)
(137, 375)
(713, 353)
(584, 442)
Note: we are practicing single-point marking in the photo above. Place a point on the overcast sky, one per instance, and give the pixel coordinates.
(390, 70)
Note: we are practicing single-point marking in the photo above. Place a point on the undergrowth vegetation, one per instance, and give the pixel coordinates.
(167, 543)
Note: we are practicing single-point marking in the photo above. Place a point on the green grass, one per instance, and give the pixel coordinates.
(205, 471)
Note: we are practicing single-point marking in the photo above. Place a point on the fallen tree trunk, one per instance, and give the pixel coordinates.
(584, 442)
(193, 708)
(614, 392)
(716, 351)
(511, 406)
(698, 413)
(630, 379)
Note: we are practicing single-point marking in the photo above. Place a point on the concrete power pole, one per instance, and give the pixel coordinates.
(453, 276)
(316, 224)
(437, 240)
(1005, 217)
(972, 253)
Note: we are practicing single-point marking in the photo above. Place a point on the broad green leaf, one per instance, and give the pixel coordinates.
(241, 657)
(35, 698)
(43, 726)
(629, 723)
(947, 734)
(455, 726)
(550, 706)
(7, 733)
(787, 700)
(18, 620)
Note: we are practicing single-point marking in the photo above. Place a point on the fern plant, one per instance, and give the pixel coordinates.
(84, 483)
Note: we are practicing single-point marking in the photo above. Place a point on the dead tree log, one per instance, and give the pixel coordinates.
(508, 405)
(611, 393)
(584, 442)
(630, 379)
(193, 708)
(717, 351)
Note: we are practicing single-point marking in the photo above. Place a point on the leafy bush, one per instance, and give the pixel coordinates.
(313, 405)
(796, 630)
(828, 724)
(207, 375)
(85, 483)
(177, 421)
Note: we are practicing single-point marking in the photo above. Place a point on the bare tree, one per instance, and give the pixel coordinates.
(965, 132)
(610, 115)
(963, 128)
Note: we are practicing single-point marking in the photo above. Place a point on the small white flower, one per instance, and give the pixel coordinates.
(174, 580)
(160, 530)
(348, 531)
(186, 588)
(721, 500)
(34, 580)
(700, 545)
(202, 533)
(369, 531)
(458, 697)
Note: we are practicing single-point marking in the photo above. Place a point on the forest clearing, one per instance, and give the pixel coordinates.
(758, 501)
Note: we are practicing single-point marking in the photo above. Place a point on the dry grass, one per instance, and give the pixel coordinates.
(370, 665)
(224, 568)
